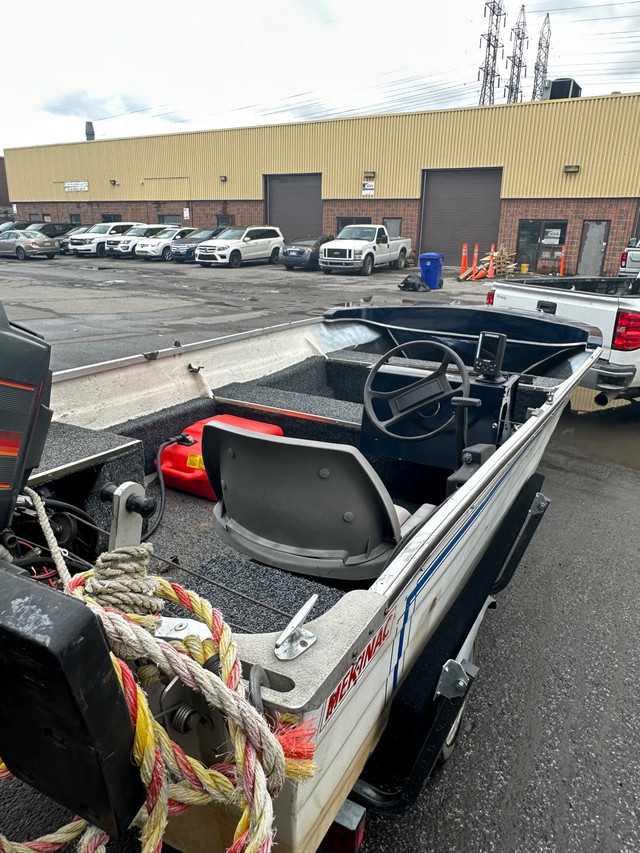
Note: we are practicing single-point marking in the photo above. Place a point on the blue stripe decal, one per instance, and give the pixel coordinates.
(430, 570)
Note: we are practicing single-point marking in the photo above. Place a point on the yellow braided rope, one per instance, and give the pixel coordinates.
(63, 835)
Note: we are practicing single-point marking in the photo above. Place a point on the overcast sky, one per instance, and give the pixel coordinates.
(135, 67)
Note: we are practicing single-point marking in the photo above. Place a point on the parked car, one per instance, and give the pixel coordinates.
(160, 245)
(363, 247)
(94, 240)
(63, 242)
(125, 246)
(51, 229)
(303, 252)
(236, 245)
(14, 226)
(26, 244)
(185, 249)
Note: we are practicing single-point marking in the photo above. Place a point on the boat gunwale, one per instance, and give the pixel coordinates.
(157, 355)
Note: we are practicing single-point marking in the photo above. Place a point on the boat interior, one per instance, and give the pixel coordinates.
(365, 441)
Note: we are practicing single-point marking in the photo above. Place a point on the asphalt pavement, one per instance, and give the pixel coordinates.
(549, 754)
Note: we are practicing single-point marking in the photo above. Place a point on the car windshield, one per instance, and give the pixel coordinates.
(79, 230)
(135, 232)
(32, 235)
(99, 229)
(203, 234)
(303, 241)
(166, 232)
(231, 233)
(357, 232)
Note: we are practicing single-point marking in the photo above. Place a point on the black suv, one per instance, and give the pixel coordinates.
(51, 229)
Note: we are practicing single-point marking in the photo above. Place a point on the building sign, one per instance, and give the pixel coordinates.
(185, 212)
(551, 236)
(368, 187)
(76, 186)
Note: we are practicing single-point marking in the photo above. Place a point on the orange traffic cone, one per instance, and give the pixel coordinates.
(490, 271)
(562, 262)
(474, 265)
(480, 274)
(464, 263)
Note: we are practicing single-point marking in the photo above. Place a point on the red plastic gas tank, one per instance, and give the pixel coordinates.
(183, 467)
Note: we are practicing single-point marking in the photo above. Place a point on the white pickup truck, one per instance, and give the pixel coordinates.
(363, 247)
(610, 304)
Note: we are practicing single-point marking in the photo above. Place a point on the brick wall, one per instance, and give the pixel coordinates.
(378, 209)
(621, 212)
(202, 212)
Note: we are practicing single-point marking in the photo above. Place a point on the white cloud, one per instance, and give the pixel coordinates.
(171, 67)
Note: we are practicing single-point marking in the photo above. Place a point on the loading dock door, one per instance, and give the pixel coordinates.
(294, 204)
(460, 206)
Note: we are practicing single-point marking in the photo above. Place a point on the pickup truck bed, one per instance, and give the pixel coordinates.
(611, 305)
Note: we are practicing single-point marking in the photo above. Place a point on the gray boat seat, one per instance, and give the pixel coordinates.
(305, 506)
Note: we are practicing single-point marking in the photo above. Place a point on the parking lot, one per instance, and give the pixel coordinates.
(122, 306)
(549, 756)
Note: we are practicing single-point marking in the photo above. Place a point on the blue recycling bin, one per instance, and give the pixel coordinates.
(431, 269)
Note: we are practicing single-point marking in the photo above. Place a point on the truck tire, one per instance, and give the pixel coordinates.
(401, 263)
(367, 265)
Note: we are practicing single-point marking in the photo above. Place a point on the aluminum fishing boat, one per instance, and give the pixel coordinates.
(373, 483)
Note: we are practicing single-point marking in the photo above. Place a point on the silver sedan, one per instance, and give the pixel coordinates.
(25, 244)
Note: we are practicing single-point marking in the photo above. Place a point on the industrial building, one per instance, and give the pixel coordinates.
(529, 177)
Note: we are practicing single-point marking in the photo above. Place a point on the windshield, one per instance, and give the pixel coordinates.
(166, 232)
(135, 232)
(99, 229)
(303, 241)
(357, 232)
(204, 234)
(231, 234)
(32, 235)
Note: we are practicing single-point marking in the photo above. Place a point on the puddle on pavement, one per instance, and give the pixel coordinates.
(610, 434)
(94, 268)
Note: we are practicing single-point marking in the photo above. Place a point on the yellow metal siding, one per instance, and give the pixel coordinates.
(532, 142)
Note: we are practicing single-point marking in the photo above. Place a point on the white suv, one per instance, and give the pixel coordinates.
(125, 245)
(159, 246)
(94, 241)
(237, 244)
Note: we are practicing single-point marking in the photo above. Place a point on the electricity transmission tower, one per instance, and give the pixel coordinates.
(492, 36)
(540, 68)
(519, 36)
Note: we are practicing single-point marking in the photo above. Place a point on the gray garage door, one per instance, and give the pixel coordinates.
(460, 206)
(294, 204)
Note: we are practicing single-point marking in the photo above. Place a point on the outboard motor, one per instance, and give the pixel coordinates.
(64, 724)
(25, 390)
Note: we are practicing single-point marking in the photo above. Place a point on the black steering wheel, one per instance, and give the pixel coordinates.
(431, 389)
